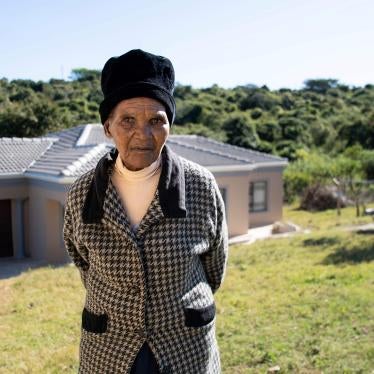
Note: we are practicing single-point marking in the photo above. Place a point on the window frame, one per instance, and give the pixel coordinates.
(264, 206)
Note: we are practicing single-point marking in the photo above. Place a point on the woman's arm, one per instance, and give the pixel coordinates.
(77, 253)
(215, 259)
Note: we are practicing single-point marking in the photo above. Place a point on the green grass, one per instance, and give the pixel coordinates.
(305, 303)
(39, 321)
(328, 220)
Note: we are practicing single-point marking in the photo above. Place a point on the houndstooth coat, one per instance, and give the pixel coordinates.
(155, 285)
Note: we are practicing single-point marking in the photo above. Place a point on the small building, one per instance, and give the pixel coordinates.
(35, 174)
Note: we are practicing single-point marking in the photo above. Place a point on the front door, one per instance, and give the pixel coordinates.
(6, 242)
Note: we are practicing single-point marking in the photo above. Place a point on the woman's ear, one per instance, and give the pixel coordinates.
(106, 129)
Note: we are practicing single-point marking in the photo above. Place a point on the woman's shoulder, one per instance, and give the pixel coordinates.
(81, 185)
(195, 172)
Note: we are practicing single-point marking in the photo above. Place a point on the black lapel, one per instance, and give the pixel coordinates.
(93, 204)
(171, 187)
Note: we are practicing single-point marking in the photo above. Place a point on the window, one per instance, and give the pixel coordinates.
(258, 196)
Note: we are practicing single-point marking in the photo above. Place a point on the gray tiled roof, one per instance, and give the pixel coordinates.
(71, 152)
(209, 152)
(17, 154)
(94, 134)
(88, 162)
(67, 138)
(77, 150)
(203, 156)
(68, 161)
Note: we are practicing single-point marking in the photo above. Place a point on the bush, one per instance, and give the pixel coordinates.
(256, 113)
(269, 131)
(241, 131)
(318, 198)
(295, 183)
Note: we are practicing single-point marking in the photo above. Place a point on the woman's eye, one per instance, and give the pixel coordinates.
(127, 120)
(157, 121)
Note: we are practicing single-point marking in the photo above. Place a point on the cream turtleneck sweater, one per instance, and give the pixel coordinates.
(136, 188)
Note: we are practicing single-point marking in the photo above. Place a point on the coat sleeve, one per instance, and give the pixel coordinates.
(77, 253)
(215, 259)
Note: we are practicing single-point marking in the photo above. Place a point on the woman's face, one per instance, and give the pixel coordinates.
(139, 128)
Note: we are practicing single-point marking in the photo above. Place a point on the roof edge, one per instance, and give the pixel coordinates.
(220, 143)
(77, 164)
(207, 150)
(247, 167)
(11, 175)
(50, 178)
(52, 141)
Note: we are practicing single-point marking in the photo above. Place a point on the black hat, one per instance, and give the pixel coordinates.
(135, 74)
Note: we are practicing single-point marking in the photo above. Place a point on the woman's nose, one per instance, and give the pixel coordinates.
(144, 130)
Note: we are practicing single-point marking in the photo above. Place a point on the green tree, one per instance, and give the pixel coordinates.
(320, 85)
(348, 174)
(18, 124)
(241, 131)
(83, 74)
(33, 121)
(308, 170)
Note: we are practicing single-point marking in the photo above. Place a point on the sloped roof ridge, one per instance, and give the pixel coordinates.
(68, 130)
(51, 142)
(240, 148)
(69, 135)
(41, 154)
(213, 152)
(84, 135)
(77, 164)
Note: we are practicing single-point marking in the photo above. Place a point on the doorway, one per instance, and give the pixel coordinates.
(6, 240)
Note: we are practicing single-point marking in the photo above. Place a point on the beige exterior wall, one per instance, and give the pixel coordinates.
(26, 228)
(46, 222)
(237, 200)
(37, 210)
(37, 218)
(13, 189)
(274, 198)
(237, 185)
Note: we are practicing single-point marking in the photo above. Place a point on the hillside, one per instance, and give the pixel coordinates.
(324, 115)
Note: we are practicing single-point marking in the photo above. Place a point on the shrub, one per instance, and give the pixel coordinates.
(317, 198)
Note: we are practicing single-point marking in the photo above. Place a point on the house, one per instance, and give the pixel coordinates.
(36, 173)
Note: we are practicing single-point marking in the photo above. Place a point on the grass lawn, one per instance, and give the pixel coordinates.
(305, 303)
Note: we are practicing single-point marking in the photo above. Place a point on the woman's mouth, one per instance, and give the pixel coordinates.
(141, 149)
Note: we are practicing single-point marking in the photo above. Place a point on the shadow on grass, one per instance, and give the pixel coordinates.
(366, 231)
(362, 253)
(323, 241)
(13, 267)
(296, 209)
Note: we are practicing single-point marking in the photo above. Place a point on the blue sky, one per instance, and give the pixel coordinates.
(277, 43)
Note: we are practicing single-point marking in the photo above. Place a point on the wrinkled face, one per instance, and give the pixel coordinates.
(139, 128)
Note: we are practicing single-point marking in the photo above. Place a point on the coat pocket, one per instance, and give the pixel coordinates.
(199, 317)
(96, 323)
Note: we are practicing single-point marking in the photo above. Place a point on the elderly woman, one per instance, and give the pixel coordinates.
(146, 228)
